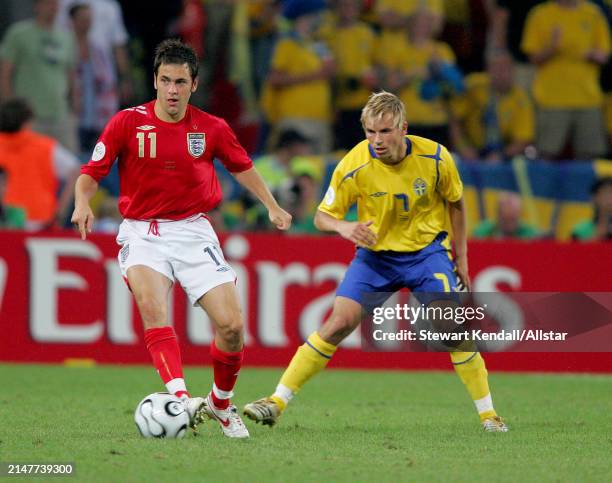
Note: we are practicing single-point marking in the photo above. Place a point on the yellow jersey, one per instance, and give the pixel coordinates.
(306, 100)
(567, 80)
(403, 56)
(515, 112)
(406, 201)
(353, 50)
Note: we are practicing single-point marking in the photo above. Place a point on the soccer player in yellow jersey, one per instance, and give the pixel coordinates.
(404, 187)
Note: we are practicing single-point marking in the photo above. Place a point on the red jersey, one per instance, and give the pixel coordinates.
(166, 169)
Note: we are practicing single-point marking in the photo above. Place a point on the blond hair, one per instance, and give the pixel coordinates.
(381, 103)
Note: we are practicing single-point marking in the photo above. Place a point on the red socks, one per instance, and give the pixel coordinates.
(164, 349)
(226, 367)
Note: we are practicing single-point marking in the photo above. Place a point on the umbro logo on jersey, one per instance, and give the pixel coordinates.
(378, 194)
(223, 269)
(146, 127)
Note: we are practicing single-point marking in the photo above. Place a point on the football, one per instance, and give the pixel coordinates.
(161, 415)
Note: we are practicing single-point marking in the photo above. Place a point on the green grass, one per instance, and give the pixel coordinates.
(345, 426)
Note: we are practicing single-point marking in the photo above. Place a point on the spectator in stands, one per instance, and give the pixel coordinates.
(508, 223)
(293, 176)
(11, 217)
(394, 17)
(352, 44)
(507, 20)
(96, 77)
(496, 119)
(414, 60)
(35, 164)
(568, 41)
(599, 228)
(262, 37)
(37, 64)
(109, 34)
(297, 92)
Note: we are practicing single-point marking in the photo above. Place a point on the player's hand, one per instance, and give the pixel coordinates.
(83, 218)
(359, 233)
(280, 218)
(462, 272)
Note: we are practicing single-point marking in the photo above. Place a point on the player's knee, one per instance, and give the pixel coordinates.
(231, 330)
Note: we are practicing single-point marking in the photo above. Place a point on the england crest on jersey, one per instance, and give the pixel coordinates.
(196, 143)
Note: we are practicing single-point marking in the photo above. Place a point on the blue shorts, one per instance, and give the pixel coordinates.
(373, 276)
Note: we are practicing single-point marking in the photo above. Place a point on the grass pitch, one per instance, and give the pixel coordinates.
(344, 426)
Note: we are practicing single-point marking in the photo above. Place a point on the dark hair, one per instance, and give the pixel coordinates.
(173, 51)
(14, 113)
(74, 9)
(601, 183)
(290, 137)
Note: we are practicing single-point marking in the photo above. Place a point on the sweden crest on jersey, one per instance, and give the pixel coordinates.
(196, 143)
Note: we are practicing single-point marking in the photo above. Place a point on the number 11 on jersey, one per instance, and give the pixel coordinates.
(152, 144)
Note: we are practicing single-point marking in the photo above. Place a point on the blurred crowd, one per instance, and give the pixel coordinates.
(493, 80)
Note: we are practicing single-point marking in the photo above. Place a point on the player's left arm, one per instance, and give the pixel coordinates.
(459, 225)
(450, 187)
(252, 181)
(233, 156)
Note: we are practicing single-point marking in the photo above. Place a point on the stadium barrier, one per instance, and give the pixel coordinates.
(62, 298)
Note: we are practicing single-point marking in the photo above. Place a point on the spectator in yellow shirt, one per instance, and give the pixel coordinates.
(412, 60)
(394, 15)
(495, 117)
(297, 92)
(352, 43)
(568, 41)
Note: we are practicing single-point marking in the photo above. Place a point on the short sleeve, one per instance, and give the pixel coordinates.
(107, 148)
(601, 33)
(341, 194)
(533, 34)
(449, 184)
(229, 151)
(283, 55)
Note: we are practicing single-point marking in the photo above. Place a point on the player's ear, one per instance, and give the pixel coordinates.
(155, 80)
(405, 127)
(194, 85)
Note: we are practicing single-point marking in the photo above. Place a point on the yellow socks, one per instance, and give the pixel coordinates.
(470, 368)
(309, 359)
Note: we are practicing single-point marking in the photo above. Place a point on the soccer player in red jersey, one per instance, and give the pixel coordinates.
(165, 150)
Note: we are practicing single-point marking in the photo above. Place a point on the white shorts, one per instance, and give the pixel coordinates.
(186, 250)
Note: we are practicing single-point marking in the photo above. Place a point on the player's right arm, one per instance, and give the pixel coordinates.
(104, 154)
(355, 231)
(83, 216)
(340, 196)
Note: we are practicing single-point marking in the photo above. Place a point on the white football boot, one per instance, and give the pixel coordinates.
(229, 420)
